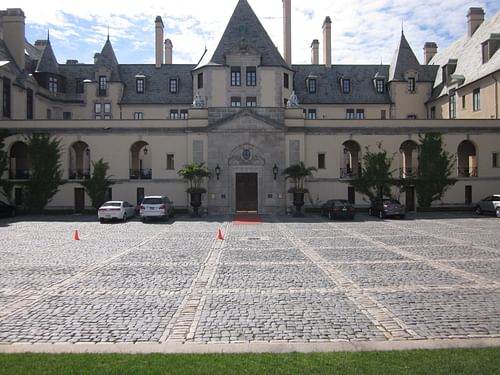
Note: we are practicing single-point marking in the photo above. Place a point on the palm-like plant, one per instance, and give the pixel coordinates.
(298, 174)
(195, 173)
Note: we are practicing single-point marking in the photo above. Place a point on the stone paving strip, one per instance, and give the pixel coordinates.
(284, 285)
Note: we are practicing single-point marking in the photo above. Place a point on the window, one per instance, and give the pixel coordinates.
(138, 115)
(6, 98)
(235, 101)
(311, 114)
(103, 86)
(494, 160)
(312, 85)
(107, 107)
(170, 162)
(97, 107)
(29, 104)
(360, 114)
(66, 115)
(173, 86)
(184, 114)
(476, 100)
(346, 85)
(174, 114)
(139, 85)
(200, 80)
(464, 101)
(485, 52)
(251, 76)
(433, 113)
(52, 85)
(251, 101)
(235, 76)
(383, 114)
(411, 84)
(321, 161)
(349, 114)
(79, 86)
(380, 86)
(453, 105)
(286, 80)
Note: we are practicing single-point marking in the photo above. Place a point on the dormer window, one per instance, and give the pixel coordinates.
(236, 76)
(489, 47)
(52, 85)
(345, 84)
(173, 86)
(312, 85)
(103, 86)
(379, 84)
(140, 83)
(411, 84)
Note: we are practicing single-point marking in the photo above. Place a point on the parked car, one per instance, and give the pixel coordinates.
(156, 207)
(490, 204)
(116, 210)
(6, 210)
(338, 209)
(387, 207)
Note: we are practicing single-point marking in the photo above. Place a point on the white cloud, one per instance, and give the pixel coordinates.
(363, 31)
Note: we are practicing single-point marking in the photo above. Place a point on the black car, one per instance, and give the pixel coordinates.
(6, 210)
(338, 209)
(387, 207)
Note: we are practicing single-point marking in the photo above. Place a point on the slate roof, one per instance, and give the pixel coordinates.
(107, 59)
(157, 83)
(244, 26)
(468, 52)
(329, 90)
(404, 59)
(48, 62)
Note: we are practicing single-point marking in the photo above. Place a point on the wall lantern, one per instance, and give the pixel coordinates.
(217, 171)
(275, 171)
(145, 150)
(87, 151)
(346, 151)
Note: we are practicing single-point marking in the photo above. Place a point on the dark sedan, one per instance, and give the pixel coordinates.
(6, 210)
(338, 209)
(387, 207)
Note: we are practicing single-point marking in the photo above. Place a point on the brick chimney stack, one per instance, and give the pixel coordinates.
(159, 41)
(327, 42)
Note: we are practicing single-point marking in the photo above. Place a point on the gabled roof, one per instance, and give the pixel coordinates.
(245, 27)
(403, 60)
(468, 53)
(329, 91)
(48, 62)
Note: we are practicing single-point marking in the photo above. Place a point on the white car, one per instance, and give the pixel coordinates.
(116, 210)
(490, 204)
(156, 207)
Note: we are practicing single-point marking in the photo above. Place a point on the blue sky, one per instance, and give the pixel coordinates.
(363, 31)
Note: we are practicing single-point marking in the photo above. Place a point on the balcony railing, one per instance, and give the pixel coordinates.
(348, 173)
(467, 172)
(408, 172)
(141, 174)
(79, 174)
(19, 174)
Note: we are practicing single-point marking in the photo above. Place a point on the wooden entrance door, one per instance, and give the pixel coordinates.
(246, 192)
(79, 200)
(410, 198)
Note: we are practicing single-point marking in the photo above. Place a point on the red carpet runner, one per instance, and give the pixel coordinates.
(247, 218)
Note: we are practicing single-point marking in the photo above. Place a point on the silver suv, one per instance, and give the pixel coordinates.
(489, 204)
(157, 207)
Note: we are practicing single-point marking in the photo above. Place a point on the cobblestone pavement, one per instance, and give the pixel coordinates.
(433, 277)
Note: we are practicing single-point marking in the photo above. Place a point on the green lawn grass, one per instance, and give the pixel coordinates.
(449, 361)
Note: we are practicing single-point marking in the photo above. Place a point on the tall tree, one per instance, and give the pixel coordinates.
(375, 179)
(44, 158)
(98, 184)
(435, 167)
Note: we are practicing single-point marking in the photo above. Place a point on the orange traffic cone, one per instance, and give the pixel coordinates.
(219, 236)
(76, 236)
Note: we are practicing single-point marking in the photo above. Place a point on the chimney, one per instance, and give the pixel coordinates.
(475, 18)
(327, 42)
(430, 50)
(168, 51)
(159, 41)
(13, 34)
(315, 52)
(287, 31)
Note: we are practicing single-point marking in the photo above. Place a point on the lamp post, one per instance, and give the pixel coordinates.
(275, 171)
(217, 171)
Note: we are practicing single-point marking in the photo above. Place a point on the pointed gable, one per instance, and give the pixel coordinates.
(244, 26)
(404, 59)
(48, 62)
(107, 59)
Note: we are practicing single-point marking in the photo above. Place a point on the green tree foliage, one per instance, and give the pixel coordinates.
(5, 184)
(298, 174)
(97, 186)
(375, 179)
(435, 167)
(44, 158)
(195, 173)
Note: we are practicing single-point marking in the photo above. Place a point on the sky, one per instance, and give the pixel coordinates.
(363, 31)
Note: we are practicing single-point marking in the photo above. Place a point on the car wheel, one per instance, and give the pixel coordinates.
(330, 216)
(101, 221)
(124, 218)
(381, 214)
(402, 217)
(498, 211)
(478, 210)
(143, 219)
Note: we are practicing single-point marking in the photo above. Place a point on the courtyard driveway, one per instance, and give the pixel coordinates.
(285, 284)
